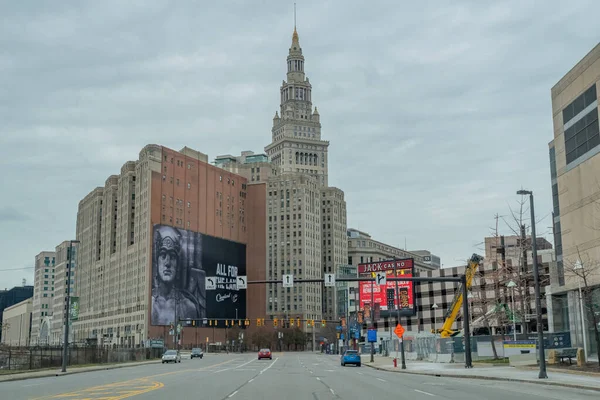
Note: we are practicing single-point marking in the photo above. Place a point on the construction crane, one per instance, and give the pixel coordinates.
(446, 330)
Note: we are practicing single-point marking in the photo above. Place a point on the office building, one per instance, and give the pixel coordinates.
(306, 217)
(253, 167)
(155, 233)
(16, 324)
(43, 292)
(574, 166)
(10, 297)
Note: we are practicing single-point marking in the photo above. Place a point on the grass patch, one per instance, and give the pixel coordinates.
(494, 361)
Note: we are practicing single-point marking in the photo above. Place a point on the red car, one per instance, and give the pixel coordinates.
(265, 353)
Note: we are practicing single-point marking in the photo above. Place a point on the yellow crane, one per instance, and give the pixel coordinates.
(446, 329)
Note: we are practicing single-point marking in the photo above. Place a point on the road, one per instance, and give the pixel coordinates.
(289, 376)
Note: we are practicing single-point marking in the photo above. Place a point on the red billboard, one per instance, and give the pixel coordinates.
(387, 295)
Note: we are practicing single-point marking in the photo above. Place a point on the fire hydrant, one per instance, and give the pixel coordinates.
(395, 363)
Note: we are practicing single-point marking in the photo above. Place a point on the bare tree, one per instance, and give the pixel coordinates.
(586, 271)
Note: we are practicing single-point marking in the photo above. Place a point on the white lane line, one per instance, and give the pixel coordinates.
(318, 378)
(33, 384)
(360, 373)
(232, 394)
(420, 391)
(332, 392)
(382, 380)
(329, 370)
(250, 381)
(270, 365)
(311, 372)
(241, 365)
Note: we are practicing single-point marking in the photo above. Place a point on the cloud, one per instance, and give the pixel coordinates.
(11, 214)
(436, 112)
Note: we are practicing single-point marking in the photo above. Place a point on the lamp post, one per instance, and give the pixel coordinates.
(511, 285)
(579, 266)
(434, 307)
(67, 306)
(536, 278)
(470, 298)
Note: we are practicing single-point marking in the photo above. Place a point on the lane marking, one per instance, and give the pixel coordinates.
(236, 367)
(273, 363)
(318, 378)
(420, 391)
(232, 394)
(251, 380)
(360, 373)
(332, 392)
(382, 380)
(34, 384)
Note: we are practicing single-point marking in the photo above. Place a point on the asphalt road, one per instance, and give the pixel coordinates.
(289, 376)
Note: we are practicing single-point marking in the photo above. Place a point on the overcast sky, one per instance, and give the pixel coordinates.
(436, 111)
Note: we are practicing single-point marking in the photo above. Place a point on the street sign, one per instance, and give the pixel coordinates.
(380, 279)
(329, 279)
(211, 282)
(399, 331)
(242, 282)
(372, 335)
(288, 280)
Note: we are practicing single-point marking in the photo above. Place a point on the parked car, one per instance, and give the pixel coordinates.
(171, 356)
(197, 352)
(265, 353)
(350, 357)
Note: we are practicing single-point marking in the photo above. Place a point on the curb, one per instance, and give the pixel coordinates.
(489, 378)
(550, 369)
(24, 375)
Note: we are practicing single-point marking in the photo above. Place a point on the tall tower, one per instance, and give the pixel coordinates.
(306, 219)
(296, 144)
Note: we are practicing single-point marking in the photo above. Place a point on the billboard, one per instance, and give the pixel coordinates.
(181, 261)
(386, 297)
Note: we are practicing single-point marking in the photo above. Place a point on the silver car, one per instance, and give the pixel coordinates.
(171, 356)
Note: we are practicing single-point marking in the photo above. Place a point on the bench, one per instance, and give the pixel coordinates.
(567, 353)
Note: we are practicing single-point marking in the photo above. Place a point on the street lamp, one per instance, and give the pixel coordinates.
(536, 278)
(511, 285)
(579, 266)
(68, 306)
(434, 306)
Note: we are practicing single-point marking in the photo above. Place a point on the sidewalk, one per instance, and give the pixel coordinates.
(70, 370)
(499, 373)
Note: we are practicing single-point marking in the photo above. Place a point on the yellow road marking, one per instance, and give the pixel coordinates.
(125, 389)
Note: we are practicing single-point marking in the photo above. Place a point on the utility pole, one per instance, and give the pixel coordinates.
(65, 354)
(402, 338)
(536, 278)
(523, 285)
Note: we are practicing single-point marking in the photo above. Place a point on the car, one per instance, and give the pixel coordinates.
(350, 357)
(171, 356)
(265, 353)
(197, 352)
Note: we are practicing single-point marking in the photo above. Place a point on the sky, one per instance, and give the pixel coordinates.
(436, 111)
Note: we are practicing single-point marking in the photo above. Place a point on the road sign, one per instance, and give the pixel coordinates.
(288, 280)
(242, 282)
(372, 335)
(399, 331)
(380, 279)
(211, 282)
(329, 279)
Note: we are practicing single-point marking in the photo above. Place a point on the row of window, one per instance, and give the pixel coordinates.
(579, 104)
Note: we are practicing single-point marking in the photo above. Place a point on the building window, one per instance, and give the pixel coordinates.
(582, 136)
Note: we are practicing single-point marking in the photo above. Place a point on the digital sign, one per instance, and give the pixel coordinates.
(393, 298)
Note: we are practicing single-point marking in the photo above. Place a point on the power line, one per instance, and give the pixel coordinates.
(15, 269)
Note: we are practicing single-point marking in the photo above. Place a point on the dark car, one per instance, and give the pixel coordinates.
(265, 353)
(196, 352)
(350, 357)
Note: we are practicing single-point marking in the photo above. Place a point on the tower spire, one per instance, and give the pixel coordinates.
(295, 35)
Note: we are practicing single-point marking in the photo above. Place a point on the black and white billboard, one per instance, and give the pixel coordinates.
(181, 261)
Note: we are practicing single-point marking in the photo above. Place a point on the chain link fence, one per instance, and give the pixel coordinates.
(33, 358)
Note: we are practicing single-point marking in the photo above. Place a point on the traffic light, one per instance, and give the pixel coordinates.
(291, 321)
(275, 322)
(239, 322)
(247, 322)
(257, 321)
(298, 322)
(193, 322)
(308, 321)
(322, 323)
(226, 322)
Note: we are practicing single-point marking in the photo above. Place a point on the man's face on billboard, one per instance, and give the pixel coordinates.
(167, 266)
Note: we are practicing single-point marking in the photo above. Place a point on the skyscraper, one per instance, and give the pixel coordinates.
(306, 219)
